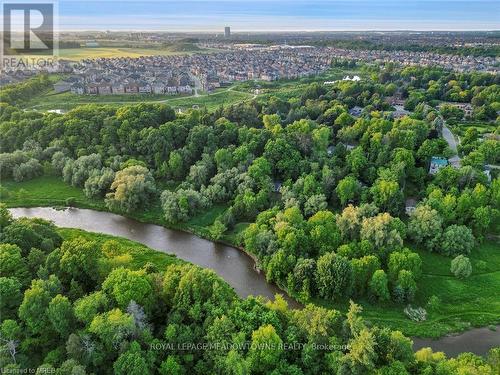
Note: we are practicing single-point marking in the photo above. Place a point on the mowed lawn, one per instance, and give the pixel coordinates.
(463, 303)
(45, 191)
(480, 126)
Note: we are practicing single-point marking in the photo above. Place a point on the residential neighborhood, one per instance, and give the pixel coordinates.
(181, 74)
(174, 75)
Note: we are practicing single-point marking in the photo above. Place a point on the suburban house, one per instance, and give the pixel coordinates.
(276, 187)
(465, 107)
(62, 86)
(356, 111)
(330, 150)
(410, 205)
(436, 164)
(77, 88)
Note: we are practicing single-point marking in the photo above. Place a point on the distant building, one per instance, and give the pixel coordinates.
(487, 173)
(436, 164)
(356, 111)
(330, 150)
(399, 111)
(62, 86)
(276, 186)
(410, 205)
(227, 32)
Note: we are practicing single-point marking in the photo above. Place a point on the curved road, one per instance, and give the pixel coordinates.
(452, 143)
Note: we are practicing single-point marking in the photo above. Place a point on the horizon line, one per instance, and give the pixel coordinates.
(282, 31)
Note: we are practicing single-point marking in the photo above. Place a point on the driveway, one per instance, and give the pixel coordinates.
(452, 143)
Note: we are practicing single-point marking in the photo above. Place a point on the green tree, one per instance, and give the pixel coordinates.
(405, 288)
(363, 269)
(131, 362)
(362, 355)
(12, 264)
(33, 309)
(112, 327)
(80, 261)
(265, 350)
(461, 267)
(456, 240)
(323, 231)
(217, 230)
(125, 285)
(348, 190)
(5, 216)
(87, 307)
(387, 195)
(61, 316)
(384, 231)
(379, 285)
(334, 276)
(11, 296)
(133, 187)
(425, 227)
(171, 366)
(356, 160)
(404, 260)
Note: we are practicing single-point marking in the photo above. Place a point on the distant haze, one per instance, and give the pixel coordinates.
(279, 15)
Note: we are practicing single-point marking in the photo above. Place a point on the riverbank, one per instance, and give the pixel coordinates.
(152, 243)
(233, 265)
(462, 304)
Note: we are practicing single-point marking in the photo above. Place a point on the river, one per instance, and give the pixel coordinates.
(233, 265)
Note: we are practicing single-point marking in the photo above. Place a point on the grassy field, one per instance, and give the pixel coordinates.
(463, 303)
(76, 54)
(481, 127)
(139, 253)
(50, 100)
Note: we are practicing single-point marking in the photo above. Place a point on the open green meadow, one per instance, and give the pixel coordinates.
(461, 303)
(50, 100)
(76, 54)
(481, 127)
(139, 254)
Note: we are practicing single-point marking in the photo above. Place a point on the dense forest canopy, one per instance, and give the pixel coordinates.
(79, 306)
(325, 190)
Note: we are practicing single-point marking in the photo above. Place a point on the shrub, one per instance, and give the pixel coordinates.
(70, 201)
(433, 303)
(456, 240)
(378, 285)
(417, 314)
(461, 267)
(4, 193)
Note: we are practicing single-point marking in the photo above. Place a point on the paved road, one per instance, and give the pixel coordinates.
(450, 139)
(448, 136)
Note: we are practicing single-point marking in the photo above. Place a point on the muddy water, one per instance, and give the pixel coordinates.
(231, 264)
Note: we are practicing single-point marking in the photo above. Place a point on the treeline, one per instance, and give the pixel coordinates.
(79, 306)
(20, 92)
(488, 51)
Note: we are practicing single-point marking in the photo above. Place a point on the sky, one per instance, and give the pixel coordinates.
(278, 15)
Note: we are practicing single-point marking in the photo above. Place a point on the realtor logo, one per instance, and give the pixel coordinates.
(28, 28)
